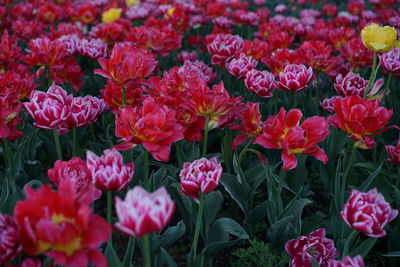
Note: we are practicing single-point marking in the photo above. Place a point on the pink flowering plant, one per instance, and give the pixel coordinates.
(199, 133)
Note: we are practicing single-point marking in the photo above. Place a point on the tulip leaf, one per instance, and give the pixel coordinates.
(295, 208)
(212, 205)
(392, 254)
(235, 189)
(111, 256)
(365, 185)
(364, 247)
(170, 236)
(257, 214)
(279, 233)
(166, 258)
(129, 253)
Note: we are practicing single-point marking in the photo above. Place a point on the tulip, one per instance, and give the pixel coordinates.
(361, 118)
(390, 61)
(76, 171)
(142, 212)
(94, 49)
(295, 78)
(313, 246)
(284, 131)
(379, 39)
(368, 213)
(357, 261)
(108, 171)
(111, 15)
(239, 67)
(200, 177)
(224, 47)
(394, 153)
(9, 244)
(61, 225)
(351, 84)
(261, 83)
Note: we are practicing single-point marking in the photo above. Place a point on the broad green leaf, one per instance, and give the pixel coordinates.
(365, 185)
(112, 257)
(364, 247)
(170, 236)
(235, 189)
(166, 258)
(295, 208)
(279, 233)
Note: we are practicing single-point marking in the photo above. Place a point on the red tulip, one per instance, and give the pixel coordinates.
(126, 64)
(313, 246)
(108, 171)
(9, 110)
(9, 244)
(152, 125)
(285, 132)
(61, 225)
(368, 212)
(357, 261)
(85, 111)
(252, 125)
(295, 78)
(142, 212)
(76, 171)
(261, 83)
(200, 177)
(361, 118)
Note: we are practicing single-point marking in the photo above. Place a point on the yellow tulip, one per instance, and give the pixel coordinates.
(111, 15)
(379, 39)
(130, 3)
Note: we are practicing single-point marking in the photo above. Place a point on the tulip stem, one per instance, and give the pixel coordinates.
(199, 221)
(7, 155)
(205, 138)
(346, 172)
(372, 76)
(74, 142)
(123, 96)
(389, 81)
(109, 212)
(146, 250)
(58, 144)
(295, 99)
(348, 243)
(146, 178)
(244, 150)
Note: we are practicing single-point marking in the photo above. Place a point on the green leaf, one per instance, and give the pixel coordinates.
(365, 185)
(222, 228)
(235, 189)
(279, 233)
(257, 214)
(212, 205)
(129, 253)
(364, 247)
(392, 254)
(295, 208)
(165, 257)
(170, 236)
(112, 257)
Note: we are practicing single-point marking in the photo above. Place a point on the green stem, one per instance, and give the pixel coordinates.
(146, 180)
(199, 221)
(295, 99)
(346, 172)
(348, 243)
(58, 144)
(146, 245)
(129, 252)
(389, 81)
(371, 78)
(245, 149)
(74, 142)
(205, 138)
(109, 211)
(8, 158)
(123, 96)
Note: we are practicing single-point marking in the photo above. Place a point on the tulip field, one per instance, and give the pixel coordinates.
(195, 133)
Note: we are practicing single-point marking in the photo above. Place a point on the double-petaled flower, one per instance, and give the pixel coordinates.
(361, 118)
(9, 244)
(368, 213)
(152, 125)
(295, 78)
(200, 177)
(61, 225)
(284, 131)
(142, 212)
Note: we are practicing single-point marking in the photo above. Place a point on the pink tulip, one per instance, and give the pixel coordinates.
(261, 83)
(357, 261)
(108, 171)
(142, 212)
(394, 153)
(295, 78)
(351, 84)
(313, 246)
(390, 61)
(85, 111)
(9, 245)
(224, 47)
(51, 109)
(368, 212)
(200, 177)
(240, 66)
